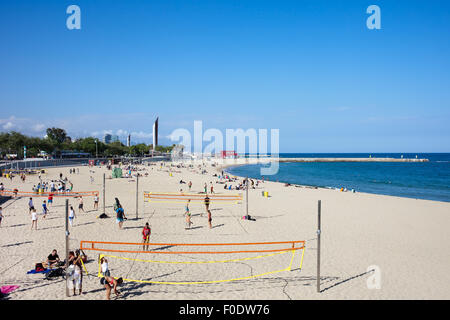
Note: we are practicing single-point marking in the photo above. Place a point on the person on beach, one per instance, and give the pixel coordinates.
(105, 267)
(212, 188)
(30, 205)
(206, 204)
(120, 216)
(117, 204)
(205, 188)
(44, 209)
(71, 216)
(50, 199)
(1, 216)
(187, 213)
(146, 232)
(76, 272)
(111, 283)
(53, 259)
(209, 219)
(34, 219)
(96, 202)
(80, 204)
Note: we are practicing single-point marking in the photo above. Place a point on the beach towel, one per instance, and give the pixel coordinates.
(8, 289)
(34, 271)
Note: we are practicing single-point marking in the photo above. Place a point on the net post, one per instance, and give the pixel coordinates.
(318, 245)
(67, 242)
(104, 178)
(137, 193)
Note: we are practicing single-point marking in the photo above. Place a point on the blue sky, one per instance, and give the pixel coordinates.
(309, 68)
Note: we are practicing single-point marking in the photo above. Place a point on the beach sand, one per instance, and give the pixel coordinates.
(406, 241)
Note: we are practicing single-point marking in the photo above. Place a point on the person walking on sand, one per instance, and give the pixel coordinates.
(205, 188)
(111, 283)
(96, 202)
(190, 185)
(187, 213)
(71, 216)
(34, 219)
(212, 188)
(209, 219)
(146, 232)
(206, 204)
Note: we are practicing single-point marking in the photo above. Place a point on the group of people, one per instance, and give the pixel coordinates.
(187, 213)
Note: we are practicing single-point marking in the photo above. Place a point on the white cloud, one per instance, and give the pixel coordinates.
(39, 127)
(8, 126)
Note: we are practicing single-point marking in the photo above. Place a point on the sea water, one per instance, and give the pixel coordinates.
(420, 180)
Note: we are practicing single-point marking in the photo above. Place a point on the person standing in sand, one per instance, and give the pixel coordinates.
(146, 232)
(71, 216)
(187, 213)
(80, 204)
(34, 219)
(120, 216)
(212, 188)
(30, 205)
(44, 209)
(205, 188)
(96, 202)
(190, 185)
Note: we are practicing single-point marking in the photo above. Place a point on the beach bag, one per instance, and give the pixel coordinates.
(55, 273)
(103, 216)
(39, 267)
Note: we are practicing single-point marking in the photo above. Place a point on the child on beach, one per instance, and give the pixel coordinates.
(188, 215)
(33, 219)
(146, 235)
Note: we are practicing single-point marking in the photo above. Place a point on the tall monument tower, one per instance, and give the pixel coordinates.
(155, 133)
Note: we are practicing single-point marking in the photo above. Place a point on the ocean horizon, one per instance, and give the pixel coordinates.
(419, 180)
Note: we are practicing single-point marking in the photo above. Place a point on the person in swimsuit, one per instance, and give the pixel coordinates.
(188, 215)
(206, 204)
(80, 205)
(209, 219)
(111, 283)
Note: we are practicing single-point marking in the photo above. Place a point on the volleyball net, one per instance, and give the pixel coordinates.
(167, 197)
(17, 193)
(199, 263)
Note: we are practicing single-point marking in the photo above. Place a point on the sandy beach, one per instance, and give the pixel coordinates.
(404, 240)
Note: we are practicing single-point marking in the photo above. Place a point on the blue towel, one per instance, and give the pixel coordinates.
(34, 271)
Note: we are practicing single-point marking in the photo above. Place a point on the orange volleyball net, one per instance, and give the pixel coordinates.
(17, 193)
(193, 197)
